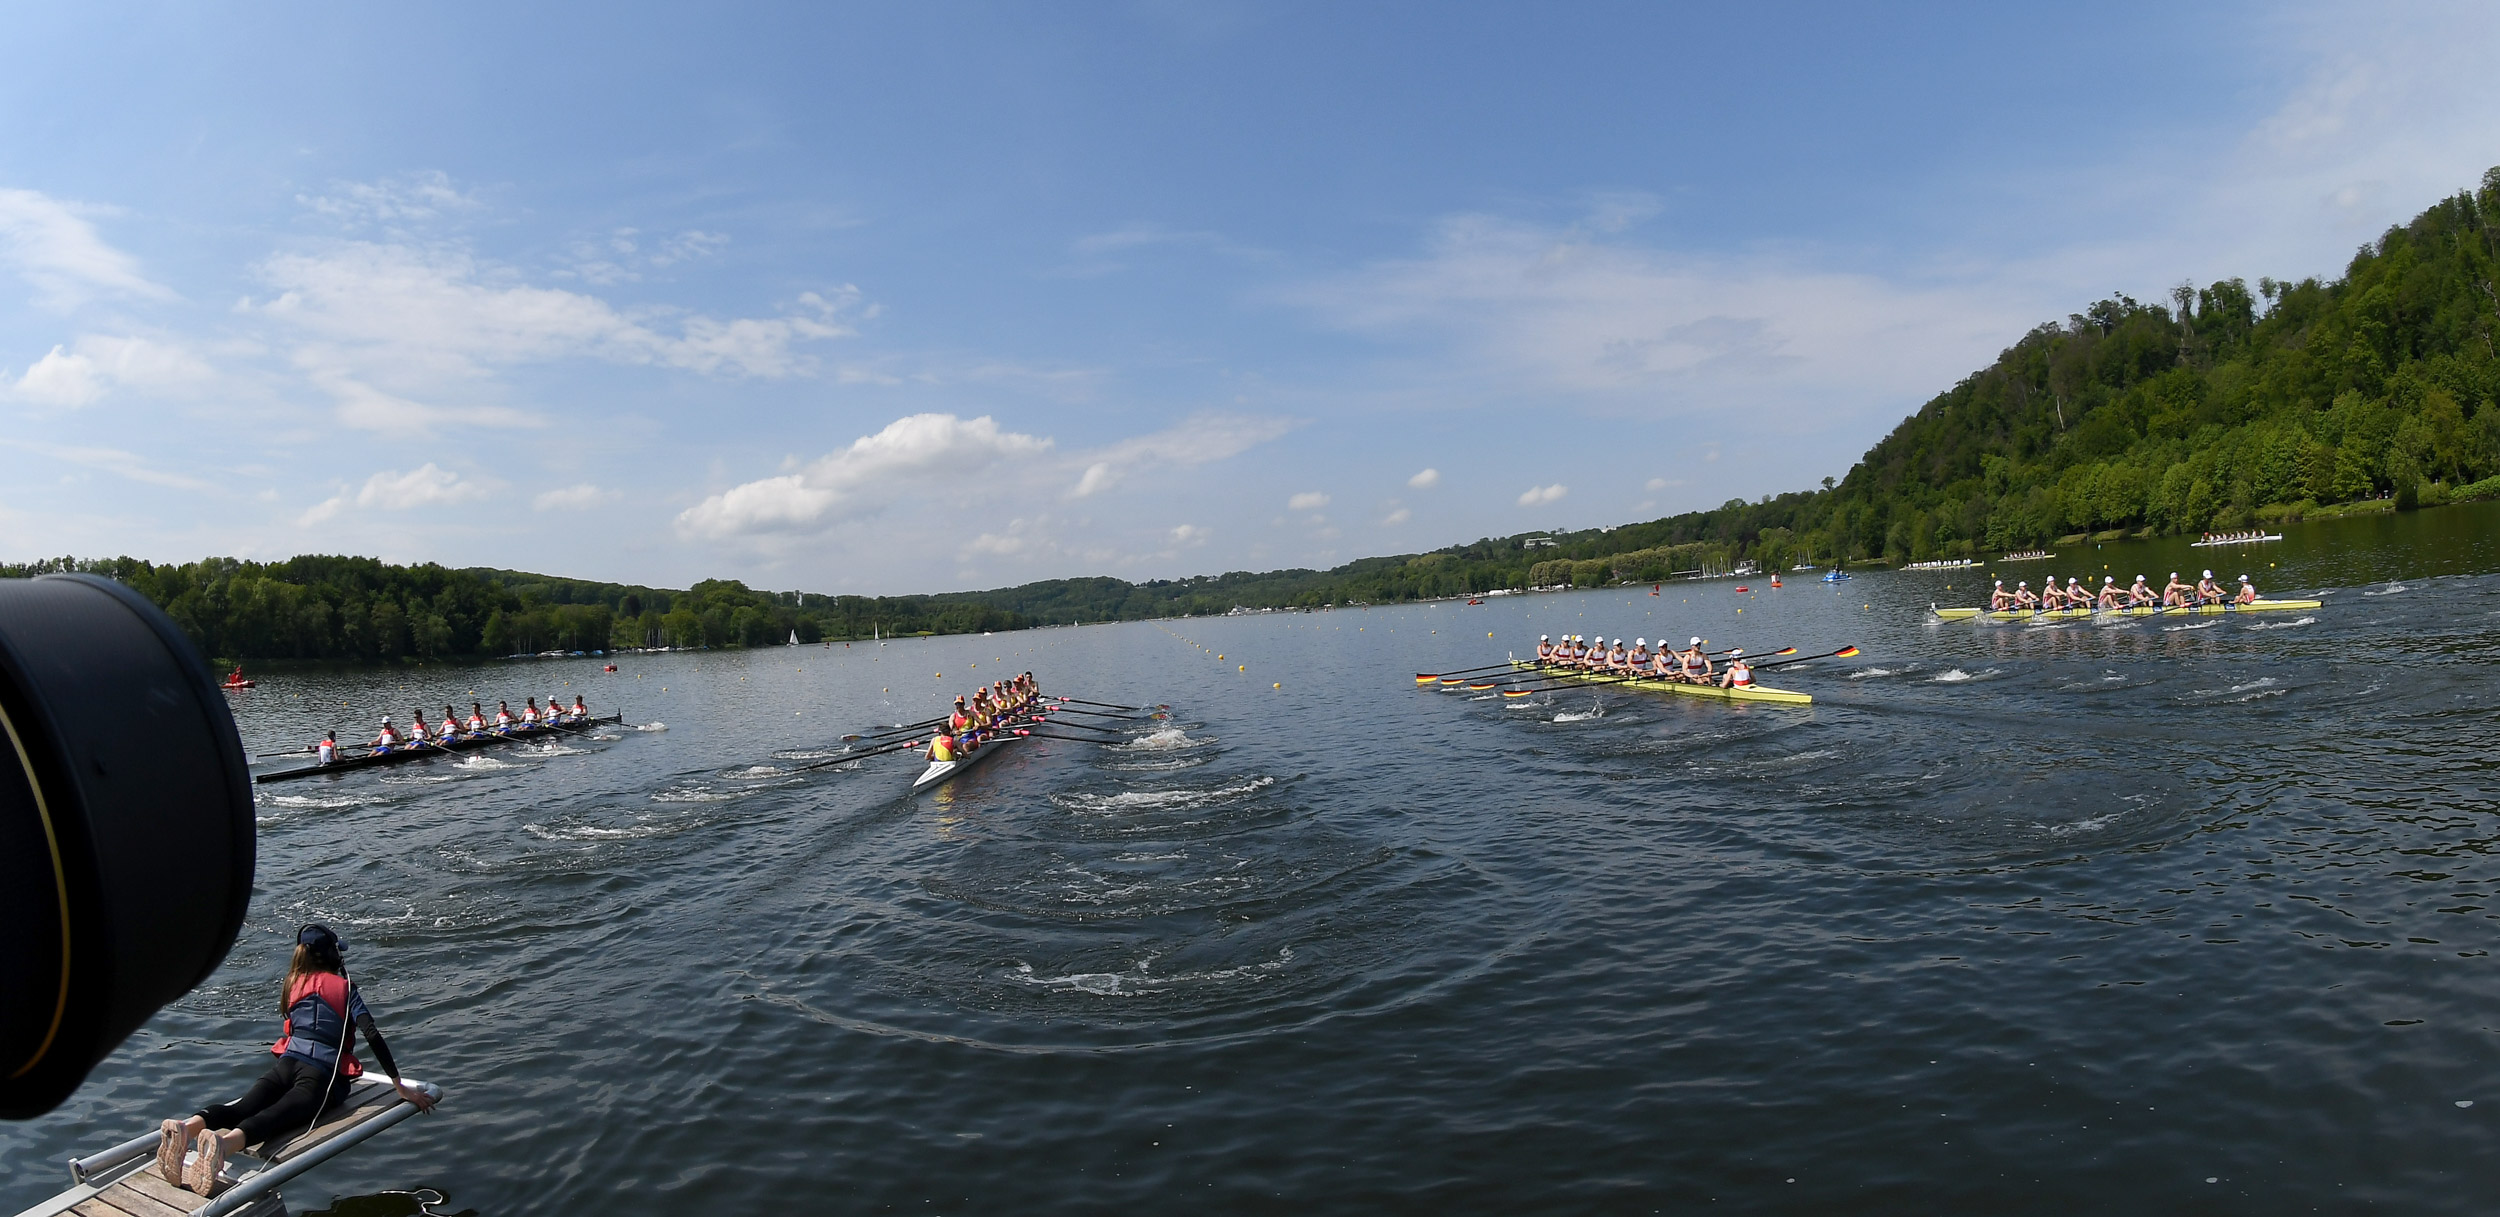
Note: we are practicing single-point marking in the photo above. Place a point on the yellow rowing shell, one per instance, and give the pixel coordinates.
(2141, 610)
(1753, 693)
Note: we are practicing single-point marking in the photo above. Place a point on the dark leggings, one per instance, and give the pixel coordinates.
(283, 1102)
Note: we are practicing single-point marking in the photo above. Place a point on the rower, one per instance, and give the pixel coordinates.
(1696, 666)
(961, 718)
(581, 709)
(2000, 599)
(1739, 673)
(503, 718)
(1544, 648)
(529, 713)
(2175, 594)
(2247, 594)
(327, 751)
(477, 719)
(1615, 656)
(2141, 593)
(2076, 596)
(389, 738)
(2110, 594)
(2208, 591)
(450, 728)
(2051, 599)
(2025, 600)
(1639, 658)
(418, 733)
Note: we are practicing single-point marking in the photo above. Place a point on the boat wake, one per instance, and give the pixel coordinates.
(2193, 625)
(651, 726)
(1156, 800)
(1581, 716)
(479, 762)
(1145, 980)
(595, 832)
(2389, 590)
(1164, 739)
(326, 802)
(2281, 625)
(2092, 824)
(699, 794)
(1955, 676)
(1877, 673)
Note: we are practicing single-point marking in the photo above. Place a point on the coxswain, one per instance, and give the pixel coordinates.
(327, 751)
(2208, 591)
(1739, 673)
(2025, 600)
(942, 746)
(2000, 599)
(388, 739)
(2247, 594)
(2175, 594)
(2141, 594)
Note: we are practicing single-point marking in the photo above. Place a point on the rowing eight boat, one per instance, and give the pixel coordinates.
(407, 752)
(2140, 610)
(1749, 693)
(942, 771)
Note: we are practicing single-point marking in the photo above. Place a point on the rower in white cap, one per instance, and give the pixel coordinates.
(1639, 658)
(1739, 673)
(1544, 649)
(2208, 591)
(1694, 666)
(2247, 594)
(2000, 599)
(2175, 594)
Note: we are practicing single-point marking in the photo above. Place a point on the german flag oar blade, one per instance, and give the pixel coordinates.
(1845, 653)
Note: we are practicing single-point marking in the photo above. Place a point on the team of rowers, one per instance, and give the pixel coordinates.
(422, 734)
(2237, 538)
(982, 718)
(2177, 594)
(1691, 665)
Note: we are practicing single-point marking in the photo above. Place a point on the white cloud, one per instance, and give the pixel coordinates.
(1658, 484)
(1399, 516)
(92, 367)
(427, 485)
(1309, 500)
(408, 199)
(962, 463)
(1538, 496)
(1426, 480)
(573, 498)
(1190, 534)
(382, 325)
(926, 453)
(50, 245)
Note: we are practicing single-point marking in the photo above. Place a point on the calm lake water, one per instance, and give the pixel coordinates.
(2155, 916)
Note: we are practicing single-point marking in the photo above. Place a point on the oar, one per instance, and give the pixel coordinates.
(1106, 731)
(899, 728)
(1029, 733)
(896, 746)
(1843, 653)
(1106, 705)
(1126, 718)
(1425, 678)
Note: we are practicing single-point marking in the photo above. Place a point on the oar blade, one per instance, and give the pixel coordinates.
(1845, 653)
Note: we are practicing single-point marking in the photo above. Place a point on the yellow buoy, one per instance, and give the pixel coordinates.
(1278, 685)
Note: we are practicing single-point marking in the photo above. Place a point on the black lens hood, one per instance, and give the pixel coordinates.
(126, 827)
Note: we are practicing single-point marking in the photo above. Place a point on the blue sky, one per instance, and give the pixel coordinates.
(921, 297)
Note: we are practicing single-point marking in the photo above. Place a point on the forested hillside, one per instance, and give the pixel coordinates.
(2225, 407)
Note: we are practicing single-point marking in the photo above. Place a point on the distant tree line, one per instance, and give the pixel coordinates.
(2226, 408)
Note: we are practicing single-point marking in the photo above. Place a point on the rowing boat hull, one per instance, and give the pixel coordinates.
(1761, 693)
(2141, 610)
(940, 772)
(371, 761)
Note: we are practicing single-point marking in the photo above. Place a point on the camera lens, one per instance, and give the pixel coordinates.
(125, 827)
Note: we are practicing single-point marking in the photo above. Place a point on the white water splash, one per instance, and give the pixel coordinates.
(1876, 673)
(326, 802)
(1955, 676)
(2193, 625)
(1157, 800)
(695, 794)
(1145, 980)
(651, 726)
(1163, 739)
(2389, 590)
(2282, 625)
(1581, 716)
(480, 762)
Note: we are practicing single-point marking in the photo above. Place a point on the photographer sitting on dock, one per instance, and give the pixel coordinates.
(316, 1065)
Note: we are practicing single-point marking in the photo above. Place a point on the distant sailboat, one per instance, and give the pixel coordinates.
(794, 638)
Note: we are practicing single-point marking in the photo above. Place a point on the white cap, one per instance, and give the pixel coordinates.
(2109, 578)
(1618, 642)
(2022, 583)
(1697, 641)
(1737, 651)
(2209, 574)
(1543, 638)
(1642, 642)
(386, 720)
(2243, 578)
